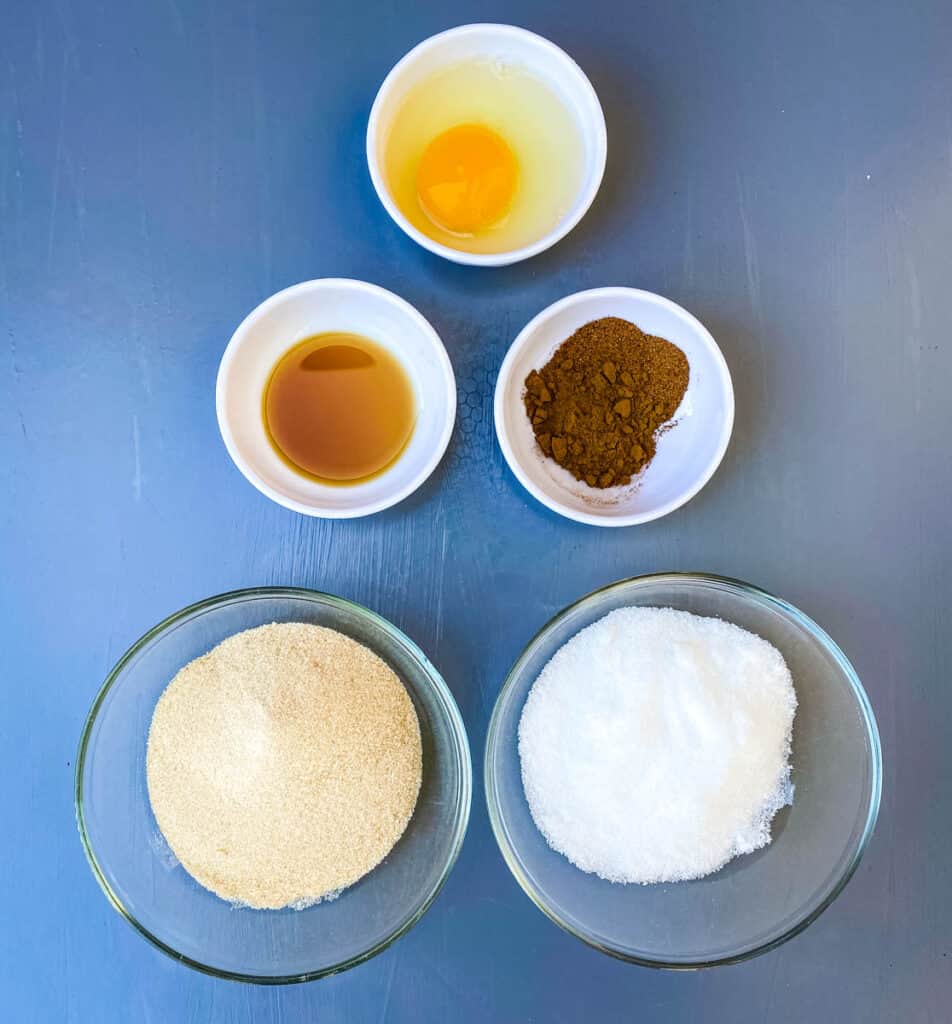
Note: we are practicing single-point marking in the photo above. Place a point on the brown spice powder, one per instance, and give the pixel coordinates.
(597, 405)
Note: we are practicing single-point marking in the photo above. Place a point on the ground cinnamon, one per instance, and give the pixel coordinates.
(597, 405)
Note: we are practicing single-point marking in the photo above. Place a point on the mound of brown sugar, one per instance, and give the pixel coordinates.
(283, 765)
(598, 403)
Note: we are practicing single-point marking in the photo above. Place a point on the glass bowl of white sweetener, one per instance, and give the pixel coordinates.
(682, 770)
(137, 854)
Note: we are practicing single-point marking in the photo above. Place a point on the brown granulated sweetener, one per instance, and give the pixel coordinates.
(597, 405)
(283, 765)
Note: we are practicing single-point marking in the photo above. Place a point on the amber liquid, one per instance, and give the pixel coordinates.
(339, 408)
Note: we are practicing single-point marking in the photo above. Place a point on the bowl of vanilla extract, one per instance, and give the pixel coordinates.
(336, 398)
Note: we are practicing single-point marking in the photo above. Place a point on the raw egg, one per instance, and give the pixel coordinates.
(483, 157)
(466, 179)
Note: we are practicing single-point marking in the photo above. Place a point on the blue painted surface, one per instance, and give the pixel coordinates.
(782, 170)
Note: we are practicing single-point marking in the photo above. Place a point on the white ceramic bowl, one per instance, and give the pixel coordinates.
(687, 455)
(508, 45)
(313, 307)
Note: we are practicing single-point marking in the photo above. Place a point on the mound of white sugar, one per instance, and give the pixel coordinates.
(655, 745)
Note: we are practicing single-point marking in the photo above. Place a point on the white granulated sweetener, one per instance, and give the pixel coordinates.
(655, 745)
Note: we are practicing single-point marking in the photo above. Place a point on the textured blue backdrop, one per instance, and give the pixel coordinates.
(782, 170)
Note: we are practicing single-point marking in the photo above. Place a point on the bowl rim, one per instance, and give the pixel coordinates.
(584, 197)
(239, 338)
(461, 750)
(504, 382)
(743, 589)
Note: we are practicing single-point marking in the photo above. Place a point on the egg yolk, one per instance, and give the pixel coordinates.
(466, 179)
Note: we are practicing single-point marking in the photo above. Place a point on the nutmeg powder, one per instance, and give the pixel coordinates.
(597, 405)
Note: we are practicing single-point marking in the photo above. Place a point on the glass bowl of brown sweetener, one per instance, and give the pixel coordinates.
(273, 785)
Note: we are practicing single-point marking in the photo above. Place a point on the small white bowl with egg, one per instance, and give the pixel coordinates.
(688, 452)
(522, 87)
(313, 308)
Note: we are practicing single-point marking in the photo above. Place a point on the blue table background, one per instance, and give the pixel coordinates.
(782, 170)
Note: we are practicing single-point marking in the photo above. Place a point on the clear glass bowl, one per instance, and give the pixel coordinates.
(141, 877)
(757, 901)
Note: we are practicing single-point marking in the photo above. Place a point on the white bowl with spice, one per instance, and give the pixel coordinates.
(504, 105)
(670, 452)
(336, 398)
